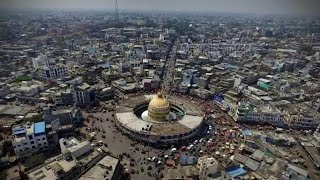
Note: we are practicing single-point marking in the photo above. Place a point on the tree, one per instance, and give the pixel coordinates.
(23, 78)
(35, 160)
(7, 148)
(306, 49)
(35, 118)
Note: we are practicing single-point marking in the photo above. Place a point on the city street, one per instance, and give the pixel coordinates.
(169, 70)
(118, 144)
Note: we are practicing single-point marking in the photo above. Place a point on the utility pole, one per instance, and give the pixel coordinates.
(116, 13)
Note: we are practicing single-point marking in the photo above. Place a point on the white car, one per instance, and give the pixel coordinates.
(100, 143)
(153, 159)
(173, 150)
(190, 147)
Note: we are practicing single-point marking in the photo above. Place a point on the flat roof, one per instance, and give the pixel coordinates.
(83, 86)
(46, 172)
(252, 164)
(13, 110)
(314, 153)
(39, 127)
(264, 80)
(191, 121)
(131, 120)
(299, 170)
(98, 171)
(258, 155)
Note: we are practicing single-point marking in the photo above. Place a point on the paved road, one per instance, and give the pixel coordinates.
(311, 167)
(169, 69)
(119, 144)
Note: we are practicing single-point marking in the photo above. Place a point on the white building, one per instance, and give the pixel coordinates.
(72, 148)
(29, 138)
(40, 61)
(52, 72)
(300, 116)
(301, 121)
(207, 165)
(259, 114)
(29, 88)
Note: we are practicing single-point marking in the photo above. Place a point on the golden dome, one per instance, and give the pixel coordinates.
(158, 107)
(159, 101)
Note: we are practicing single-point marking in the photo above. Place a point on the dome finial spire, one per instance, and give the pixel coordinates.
(159, 94)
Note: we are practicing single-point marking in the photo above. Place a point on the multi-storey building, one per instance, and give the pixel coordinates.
(47, 69)
(29, 138)
(83, 94)
(63, 98)
(105, 93)
(110, 74)
(259, 114)
(52, 72)
(299, 116)
(40, 61)
(300, 121)
(29, 89)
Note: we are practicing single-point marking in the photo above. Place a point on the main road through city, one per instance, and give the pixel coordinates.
(169, 68)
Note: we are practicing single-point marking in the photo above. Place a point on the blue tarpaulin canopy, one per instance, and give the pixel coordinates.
(247, 132)
(235, 171)
(187, 160)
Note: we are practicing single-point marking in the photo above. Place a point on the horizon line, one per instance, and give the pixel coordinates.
(205, 12)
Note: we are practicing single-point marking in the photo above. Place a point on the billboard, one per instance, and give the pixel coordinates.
(218, 98)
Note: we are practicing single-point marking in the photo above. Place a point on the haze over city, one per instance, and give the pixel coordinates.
(232, 6)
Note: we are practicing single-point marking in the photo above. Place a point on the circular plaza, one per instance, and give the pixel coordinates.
(158, 119)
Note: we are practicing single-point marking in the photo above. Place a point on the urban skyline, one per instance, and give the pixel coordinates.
(297, 7)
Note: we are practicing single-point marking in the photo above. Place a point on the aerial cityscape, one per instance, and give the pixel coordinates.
(148, 90)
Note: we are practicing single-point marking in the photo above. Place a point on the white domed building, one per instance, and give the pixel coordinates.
(158, 110)
(159, 120)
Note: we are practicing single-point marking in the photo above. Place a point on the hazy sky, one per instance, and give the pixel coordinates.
(237, 6)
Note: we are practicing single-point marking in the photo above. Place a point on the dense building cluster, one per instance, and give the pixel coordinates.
(159, 96)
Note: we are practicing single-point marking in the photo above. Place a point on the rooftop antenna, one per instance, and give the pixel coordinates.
(116, 13)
